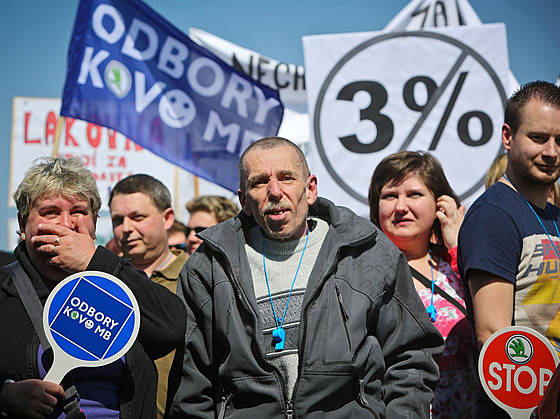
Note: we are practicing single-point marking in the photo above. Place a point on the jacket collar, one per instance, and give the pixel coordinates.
(38, 284)
(349, 228)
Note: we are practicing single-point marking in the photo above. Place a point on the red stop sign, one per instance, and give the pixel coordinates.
(515, 367)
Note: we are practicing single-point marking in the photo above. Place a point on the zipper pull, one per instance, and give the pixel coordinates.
(222, 413)
(339, 297)
(289, 410)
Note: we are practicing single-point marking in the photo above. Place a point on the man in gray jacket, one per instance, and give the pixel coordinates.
(299, 308)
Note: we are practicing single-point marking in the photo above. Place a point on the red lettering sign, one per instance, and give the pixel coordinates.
(93, 134)
(26, 138)
(50, 128)
(112, 134)
(70, 140)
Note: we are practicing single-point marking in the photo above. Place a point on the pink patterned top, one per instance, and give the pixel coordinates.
(458, 382)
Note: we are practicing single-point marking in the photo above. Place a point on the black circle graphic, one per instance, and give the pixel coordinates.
(359, 48)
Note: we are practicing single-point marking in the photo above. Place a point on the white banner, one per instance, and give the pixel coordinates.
(373, 94)
(287, 78)
(424, 14)
(107, 153)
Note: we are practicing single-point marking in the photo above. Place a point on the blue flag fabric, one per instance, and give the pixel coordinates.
(132, 71)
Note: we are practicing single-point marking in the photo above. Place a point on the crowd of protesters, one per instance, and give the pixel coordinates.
(293, 306)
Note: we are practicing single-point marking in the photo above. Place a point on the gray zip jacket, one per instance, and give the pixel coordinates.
(366, 345)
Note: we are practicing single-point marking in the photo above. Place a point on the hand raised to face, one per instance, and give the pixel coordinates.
(450, 218)
(60, 234)
(69, 249)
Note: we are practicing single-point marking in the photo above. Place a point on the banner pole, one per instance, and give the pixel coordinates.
(196, 186)
(59, 125)
(176, 191)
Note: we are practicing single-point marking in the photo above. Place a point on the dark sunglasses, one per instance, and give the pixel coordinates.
(179, 246)
(196, 230)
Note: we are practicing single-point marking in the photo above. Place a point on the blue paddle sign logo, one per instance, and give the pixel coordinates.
(92, 317)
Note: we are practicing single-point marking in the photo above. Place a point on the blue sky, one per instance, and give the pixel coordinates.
(34, 38)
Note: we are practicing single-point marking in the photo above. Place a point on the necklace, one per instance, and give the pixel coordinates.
(431, 309)
(279, 334)
(539, 218)
(164, 263)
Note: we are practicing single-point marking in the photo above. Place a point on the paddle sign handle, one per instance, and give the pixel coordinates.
(62, 364)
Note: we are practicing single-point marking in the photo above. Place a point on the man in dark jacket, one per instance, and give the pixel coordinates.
(299, 308)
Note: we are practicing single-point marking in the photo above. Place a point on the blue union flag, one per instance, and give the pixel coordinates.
(132, 71)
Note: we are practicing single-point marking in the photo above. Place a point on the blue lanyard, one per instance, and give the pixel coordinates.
(539, 218)
(280, 321)
(431, 309)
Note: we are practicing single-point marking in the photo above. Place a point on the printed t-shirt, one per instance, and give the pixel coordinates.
(501, 235)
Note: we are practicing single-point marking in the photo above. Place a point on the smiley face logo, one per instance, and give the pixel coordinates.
(88, 324)
(177, 109)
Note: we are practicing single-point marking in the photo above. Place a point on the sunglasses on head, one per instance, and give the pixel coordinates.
(195, 229)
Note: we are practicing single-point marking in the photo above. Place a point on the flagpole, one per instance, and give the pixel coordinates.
(59, 125)
(176, 190)
(195, 186)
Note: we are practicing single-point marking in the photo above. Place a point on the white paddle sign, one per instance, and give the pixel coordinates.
(90, 319)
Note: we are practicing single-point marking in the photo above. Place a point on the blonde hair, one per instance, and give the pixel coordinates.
(496, 170)
(52, 176)
(222, 208)
(556, 189)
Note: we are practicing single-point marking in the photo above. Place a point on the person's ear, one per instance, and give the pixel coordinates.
(311, 189)
(21, 224)
(243, 200)
(507, 135)
(168, 218)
